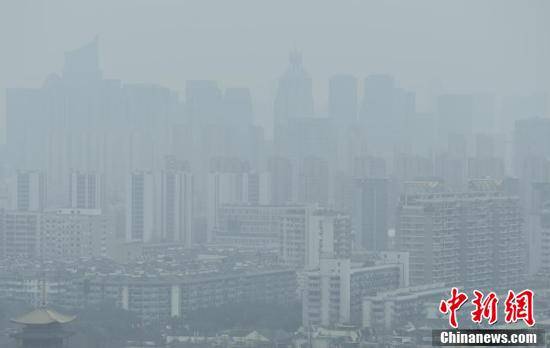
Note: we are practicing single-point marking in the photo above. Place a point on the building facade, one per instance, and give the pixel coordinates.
(472, 238)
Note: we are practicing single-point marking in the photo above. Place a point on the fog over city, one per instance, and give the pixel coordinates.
(271, 173)
(431, 46)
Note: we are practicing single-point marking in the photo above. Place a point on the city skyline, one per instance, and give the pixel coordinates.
(438, 64)
(289, 174)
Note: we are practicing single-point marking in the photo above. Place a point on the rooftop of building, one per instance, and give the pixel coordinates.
(43, 316)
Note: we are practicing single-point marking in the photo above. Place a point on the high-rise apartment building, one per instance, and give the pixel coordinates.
(141, 207)
(370, 213)
(472, 238)
(30, 191)
(176, 206)
(86, 190)
(308, 234)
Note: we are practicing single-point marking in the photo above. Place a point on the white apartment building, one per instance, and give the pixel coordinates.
(333, 293)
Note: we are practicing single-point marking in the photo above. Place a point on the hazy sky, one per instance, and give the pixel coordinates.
(429, 45)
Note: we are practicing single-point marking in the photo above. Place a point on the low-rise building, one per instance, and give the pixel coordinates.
(333, 294)
(389, 310)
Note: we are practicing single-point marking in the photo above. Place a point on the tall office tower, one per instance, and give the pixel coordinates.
(141, 207)
(420, 137)
(488, 162)
(307, 137)
(23, 125)
(484, 113)
(408, 167)
(370, 213)
(464, 115)
(280, 172)
(86, 190)
(237, 106)
(541, 10)
(308, 234)
(455, 114)
(31, 192)
(342, 103)
(68, 122)
(385, 110)
(531, 165)
(242, 138)
(176, 206)
(149, 136)
(334, 291)
(486, 167)
(293, 99)
(369, 167)
(520, 107)
(203, 101)
(452, 170)
(313, 181)
(19, 233)
(531, 153)
(472, 238)
(82, 64)
(294, 96)
(71, 234)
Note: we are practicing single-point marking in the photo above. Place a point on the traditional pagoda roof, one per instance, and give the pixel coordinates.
(43, 316)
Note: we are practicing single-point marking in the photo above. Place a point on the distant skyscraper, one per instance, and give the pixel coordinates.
(455, 115)
(515, 108)
(452, 169)
(530, 141)
(237, 107)
(82, 64)
(294, 96)
(294, 99)
(280, 172)
(411, 167)
(385, 111)
(531, 154)
(141, 207)
(313, 181)
(86, 190)
(343, 98)
(203, 101)
(369, 167)
(31, 191)
(70, 121)
(370, 213)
